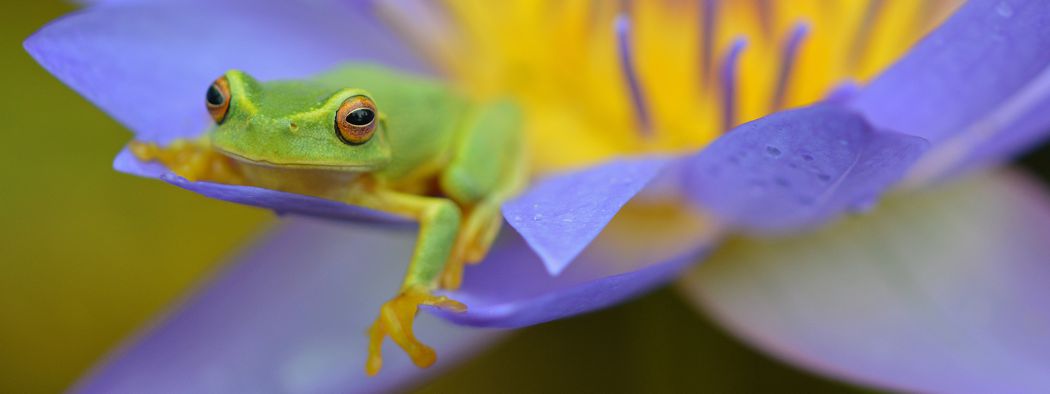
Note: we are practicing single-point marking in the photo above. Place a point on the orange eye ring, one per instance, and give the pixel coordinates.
(218, 99)
(355, 121)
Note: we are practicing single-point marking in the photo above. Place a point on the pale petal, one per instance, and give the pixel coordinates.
(943, 291)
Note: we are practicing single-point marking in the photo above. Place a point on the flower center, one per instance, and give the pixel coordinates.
(599, 79)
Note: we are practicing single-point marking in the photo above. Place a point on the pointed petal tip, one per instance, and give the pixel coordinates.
(566, 300)
(643, 247)
(561, 215)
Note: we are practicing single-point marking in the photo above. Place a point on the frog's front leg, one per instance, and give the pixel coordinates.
(439, 222)
(194, 160)
(488, 167)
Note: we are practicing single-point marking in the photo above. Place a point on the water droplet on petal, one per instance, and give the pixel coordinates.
(782, 182)
(772, 150)
(537, 217)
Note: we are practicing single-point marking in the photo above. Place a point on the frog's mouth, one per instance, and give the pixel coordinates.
(297, 165)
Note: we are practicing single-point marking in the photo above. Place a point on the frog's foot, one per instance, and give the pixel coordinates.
(189, 159)
(472, 244)
(480, 231)
(481, 240)
(395, 320)
(452, 275)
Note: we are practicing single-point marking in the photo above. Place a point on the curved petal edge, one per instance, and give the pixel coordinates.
(645, 245)
(976, 87)
(147, 63)
(279, 202)
(561, 215)
(798, 168)
(289, 315)
(942, 290)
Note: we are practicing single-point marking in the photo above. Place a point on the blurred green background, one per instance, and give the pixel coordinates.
(87, 255)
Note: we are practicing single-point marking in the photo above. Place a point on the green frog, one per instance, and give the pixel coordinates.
(376, 138)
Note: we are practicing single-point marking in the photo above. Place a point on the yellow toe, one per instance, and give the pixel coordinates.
(395, 320)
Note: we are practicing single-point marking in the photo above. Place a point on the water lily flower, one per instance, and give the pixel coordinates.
(742, 146)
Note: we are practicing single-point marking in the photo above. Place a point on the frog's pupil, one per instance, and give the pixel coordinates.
(215, 97)
(360, 117)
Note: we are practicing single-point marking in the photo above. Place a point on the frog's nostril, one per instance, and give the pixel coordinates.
(293, 127)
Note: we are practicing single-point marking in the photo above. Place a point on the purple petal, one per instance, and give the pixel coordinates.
(941, 292)
(280, 202)
(798, 168)
(1020, 126)
(289, 316)
(983, 75)
(512, 288)
(561, 215)
(147, 63)
(642, 247)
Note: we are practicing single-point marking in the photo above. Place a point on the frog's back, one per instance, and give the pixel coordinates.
(422, 115)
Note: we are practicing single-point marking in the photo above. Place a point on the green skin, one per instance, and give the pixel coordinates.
(425, 132)
(434, 157)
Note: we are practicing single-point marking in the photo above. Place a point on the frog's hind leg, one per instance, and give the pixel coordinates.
(439, 223)
(194, 160)
(488, 167)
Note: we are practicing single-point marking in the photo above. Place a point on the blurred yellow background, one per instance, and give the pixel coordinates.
(88, 255)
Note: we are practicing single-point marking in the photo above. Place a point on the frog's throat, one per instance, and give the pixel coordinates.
(298, 165)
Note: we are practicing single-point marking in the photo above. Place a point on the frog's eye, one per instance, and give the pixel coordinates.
(218, 99)
(355, 122)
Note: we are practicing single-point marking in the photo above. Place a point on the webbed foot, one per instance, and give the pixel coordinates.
(395, 320)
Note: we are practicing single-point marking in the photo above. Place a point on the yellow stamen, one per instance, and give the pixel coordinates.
(562, 60)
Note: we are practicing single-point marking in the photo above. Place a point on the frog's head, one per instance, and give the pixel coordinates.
(296, 124)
